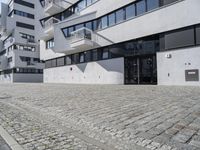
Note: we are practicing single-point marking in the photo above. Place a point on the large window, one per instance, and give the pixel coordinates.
(50, 44)
(68, 60)
(81, 58)
(130, 11)
(166, 2)
(104, 22)
(89, 2)
(31, 38)
(24, 25)
(180, 38)
(24, 14)
(24, 48)
(61, 61)
(75, 58)
(66, 14)
(81, 5)
(95, 55)
(24, 3)
(198, 34)
(70, 30)
(48, 64)
(95, 25)
(105, 53)
(79, 26)
(54, 63)
(111, 19)
(120, 16)
(152, 4)
(88, 56)
(89, 25)
(141, 7)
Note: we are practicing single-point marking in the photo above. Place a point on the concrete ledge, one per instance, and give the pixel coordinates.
(9, 140)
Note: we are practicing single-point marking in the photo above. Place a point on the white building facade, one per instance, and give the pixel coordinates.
(19, 49)
(120, 41)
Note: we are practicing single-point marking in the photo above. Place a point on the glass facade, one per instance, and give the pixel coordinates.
(111, 19)
(104, 22)
(188, 36)
(152, 4)
(50, 44)
(141, 7)
(130, 11)
(120, 16)
(198, 34)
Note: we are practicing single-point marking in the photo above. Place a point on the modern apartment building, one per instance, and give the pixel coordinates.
(19, 49)
(121, 41)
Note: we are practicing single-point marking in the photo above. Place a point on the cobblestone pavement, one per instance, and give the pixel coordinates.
(3, 144)
(94, 117)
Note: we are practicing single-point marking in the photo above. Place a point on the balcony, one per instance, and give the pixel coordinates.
(83, 39)
(3, 31)
(49, 28)
(55, 6)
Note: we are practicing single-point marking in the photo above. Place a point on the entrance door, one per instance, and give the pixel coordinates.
(140, 70)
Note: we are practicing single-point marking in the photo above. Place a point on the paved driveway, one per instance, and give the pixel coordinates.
(93, 117)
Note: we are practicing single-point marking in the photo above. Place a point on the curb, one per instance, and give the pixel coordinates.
(9, 140)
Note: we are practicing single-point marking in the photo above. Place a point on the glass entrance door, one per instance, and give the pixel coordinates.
(141, 70)
(131, 71)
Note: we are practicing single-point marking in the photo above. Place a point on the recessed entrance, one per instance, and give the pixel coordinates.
(140, 70)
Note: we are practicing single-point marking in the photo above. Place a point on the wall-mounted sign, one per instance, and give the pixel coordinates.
(192, 75)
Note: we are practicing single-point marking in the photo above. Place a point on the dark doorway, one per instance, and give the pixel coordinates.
(141, 70)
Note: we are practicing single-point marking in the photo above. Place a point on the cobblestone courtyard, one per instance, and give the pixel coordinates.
(91, 117)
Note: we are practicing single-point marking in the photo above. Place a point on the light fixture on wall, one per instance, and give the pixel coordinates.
(168, 56)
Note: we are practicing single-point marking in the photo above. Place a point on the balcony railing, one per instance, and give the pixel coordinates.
(49, 23)
(49, 3)
(82, 34)
(82, 39)
(54, 6)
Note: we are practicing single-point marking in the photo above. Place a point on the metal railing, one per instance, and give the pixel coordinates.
(82, 34)
(50, 22)
(50, 2)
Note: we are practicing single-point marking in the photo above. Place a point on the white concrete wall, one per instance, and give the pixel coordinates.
(7, 78)
(100, 72)
(176, 66)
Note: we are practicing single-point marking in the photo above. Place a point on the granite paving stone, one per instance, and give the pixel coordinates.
(95, 117)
